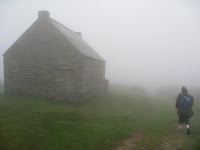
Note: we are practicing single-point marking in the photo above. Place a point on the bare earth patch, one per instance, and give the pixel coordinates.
(173, 141)
(131, 143)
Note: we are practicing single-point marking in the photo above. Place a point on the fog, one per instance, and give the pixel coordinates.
(148, 43)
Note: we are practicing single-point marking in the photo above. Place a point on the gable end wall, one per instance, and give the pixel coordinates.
(34, 60)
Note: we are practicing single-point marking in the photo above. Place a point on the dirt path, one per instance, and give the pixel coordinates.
(131, 143)
(174, 140)
(138, 141)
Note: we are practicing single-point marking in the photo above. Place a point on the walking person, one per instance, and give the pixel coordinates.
(184, 103)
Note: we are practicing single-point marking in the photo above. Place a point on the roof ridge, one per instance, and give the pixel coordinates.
(77, 41)
(71, 31)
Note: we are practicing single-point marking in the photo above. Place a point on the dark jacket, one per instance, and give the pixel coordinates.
(187, 112)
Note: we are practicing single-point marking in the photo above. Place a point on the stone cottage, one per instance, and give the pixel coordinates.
(50, 60)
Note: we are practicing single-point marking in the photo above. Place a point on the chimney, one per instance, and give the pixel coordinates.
(43, 14)
(78, 33)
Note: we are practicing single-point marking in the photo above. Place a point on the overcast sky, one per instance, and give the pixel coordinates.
(143, 42)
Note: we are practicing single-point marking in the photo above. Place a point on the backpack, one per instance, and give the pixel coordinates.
(185, 102)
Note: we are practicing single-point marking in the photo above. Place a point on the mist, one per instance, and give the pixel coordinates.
(144, 43)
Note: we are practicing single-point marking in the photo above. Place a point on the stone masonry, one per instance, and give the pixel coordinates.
(50, 60)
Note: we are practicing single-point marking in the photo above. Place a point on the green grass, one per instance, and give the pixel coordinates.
(193, 141)
(29, 123)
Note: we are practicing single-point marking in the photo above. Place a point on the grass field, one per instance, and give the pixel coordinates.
(29, 123)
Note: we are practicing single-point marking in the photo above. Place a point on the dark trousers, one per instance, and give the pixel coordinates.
(183, 119)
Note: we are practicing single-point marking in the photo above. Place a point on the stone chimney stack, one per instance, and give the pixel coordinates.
(43, 14)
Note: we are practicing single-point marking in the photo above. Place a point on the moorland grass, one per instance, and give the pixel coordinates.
(192, 142)
(97, 124)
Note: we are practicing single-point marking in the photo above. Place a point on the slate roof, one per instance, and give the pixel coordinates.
(73, 37)
(77, 41)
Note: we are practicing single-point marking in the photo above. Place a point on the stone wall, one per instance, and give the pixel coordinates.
(93, 77)
(43, 62)
(1, 86)
(35, 60)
